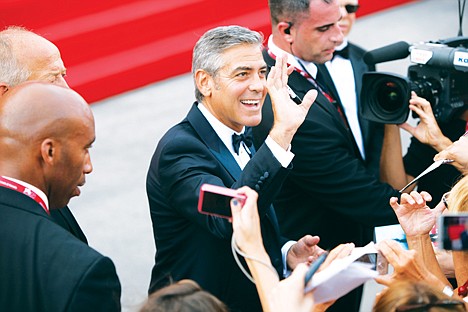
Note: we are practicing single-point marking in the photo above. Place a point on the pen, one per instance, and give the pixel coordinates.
(314, 266)
(294, 96)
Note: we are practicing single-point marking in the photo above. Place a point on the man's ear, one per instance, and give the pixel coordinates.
(285, 30)
(49, 151)
(204, 82)
(3, 88)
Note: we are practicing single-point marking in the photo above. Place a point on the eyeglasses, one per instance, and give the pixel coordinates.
(351, 8)
(445, 199)
(422, 307)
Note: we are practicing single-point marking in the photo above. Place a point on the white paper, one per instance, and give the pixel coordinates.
(342, 276)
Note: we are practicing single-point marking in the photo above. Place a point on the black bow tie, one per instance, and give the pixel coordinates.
(344, 53)
(237, 139)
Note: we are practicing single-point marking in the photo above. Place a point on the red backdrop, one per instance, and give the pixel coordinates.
(114, 46)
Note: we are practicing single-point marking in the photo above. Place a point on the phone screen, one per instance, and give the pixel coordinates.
(217, 204)
(216, 200)
(453, 231)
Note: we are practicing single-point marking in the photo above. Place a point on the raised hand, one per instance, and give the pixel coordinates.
(288, 116)
(415, 217)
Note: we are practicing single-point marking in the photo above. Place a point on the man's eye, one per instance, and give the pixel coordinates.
(242, 74)
(323, 29)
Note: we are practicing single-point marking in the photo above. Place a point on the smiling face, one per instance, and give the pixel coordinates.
(315, 37)
(235, 94)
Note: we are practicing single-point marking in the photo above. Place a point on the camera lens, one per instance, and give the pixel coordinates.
(385, 99)
(389, 96)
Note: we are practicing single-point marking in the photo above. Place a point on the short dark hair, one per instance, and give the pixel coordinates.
(290, 10)
(183, 296)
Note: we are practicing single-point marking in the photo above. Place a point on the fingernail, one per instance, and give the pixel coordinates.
(235, 202)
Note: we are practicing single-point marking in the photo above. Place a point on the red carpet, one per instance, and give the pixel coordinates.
(110, 47)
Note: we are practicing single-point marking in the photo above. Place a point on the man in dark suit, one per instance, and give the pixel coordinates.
(329, 190)
(342, 78)
(45, 135)
(25, 56)
(230, 79)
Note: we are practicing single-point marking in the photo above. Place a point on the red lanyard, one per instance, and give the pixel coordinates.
(7, 183)
(306, 75)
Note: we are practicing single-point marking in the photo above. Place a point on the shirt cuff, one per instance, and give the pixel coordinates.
(284, 157)
(284, 253)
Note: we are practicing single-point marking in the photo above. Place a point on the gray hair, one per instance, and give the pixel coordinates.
(292, 11)
(12, 72)
(209, 48)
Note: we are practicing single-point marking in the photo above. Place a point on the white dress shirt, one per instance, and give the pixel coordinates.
(342, 74)
(284, 157)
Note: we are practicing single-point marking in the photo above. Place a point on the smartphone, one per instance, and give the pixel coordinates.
(453, 231)
(377, 260)
(216, 200)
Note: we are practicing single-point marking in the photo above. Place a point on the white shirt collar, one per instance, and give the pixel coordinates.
(224, 132)
(39, 193)
(342, 45)
(310, 67)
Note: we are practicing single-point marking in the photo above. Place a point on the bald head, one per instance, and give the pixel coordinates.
(25, 56)
(36, 109)
(45, 133)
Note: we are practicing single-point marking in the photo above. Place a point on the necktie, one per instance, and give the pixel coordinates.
(237, 139)
(344, 53)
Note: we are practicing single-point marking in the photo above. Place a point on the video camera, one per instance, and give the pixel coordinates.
(440, 75)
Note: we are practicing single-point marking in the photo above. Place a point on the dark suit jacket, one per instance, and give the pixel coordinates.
(372, 132)
(66, 219)
(44, 268)
(329, 191)
(190, 245)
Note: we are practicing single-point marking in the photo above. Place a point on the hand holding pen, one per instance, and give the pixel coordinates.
(326, 258)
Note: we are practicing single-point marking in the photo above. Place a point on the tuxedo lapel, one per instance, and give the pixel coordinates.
(325, 79)
(213, 142)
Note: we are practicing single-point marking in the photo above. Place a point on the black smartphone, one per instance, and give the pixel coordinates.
(453, 231)
(216, 200)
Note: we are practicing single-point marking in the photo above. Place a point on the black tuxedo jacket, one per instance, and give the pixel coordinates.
(66, 219)
(44, 268)
(372, 132)
(190, 245)
(329, 191)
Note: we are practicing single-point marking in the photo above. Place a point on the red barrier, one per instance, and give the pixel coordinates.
(114, 46)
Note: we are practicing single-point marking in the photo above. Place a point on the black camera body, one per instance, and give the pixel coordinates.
(440, 75)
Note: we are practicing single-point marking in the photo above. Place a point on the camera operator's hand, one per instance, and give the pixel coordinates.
(458, 152)
(427, 131)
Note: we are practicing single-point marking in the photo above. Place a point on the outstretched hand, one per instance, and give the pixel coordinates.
(304, 251)
(288, 116)
(414, 216)
(407, 266)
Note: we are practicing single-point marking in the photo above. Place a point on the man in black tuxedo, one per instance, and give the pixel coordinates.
(330, 190)
(342, 77)
(26, 56)
(45, 135)
(230, 78)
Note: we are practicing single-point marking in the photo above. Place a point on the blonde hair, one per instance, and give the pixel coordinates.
(404, 293)
(458, 199)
